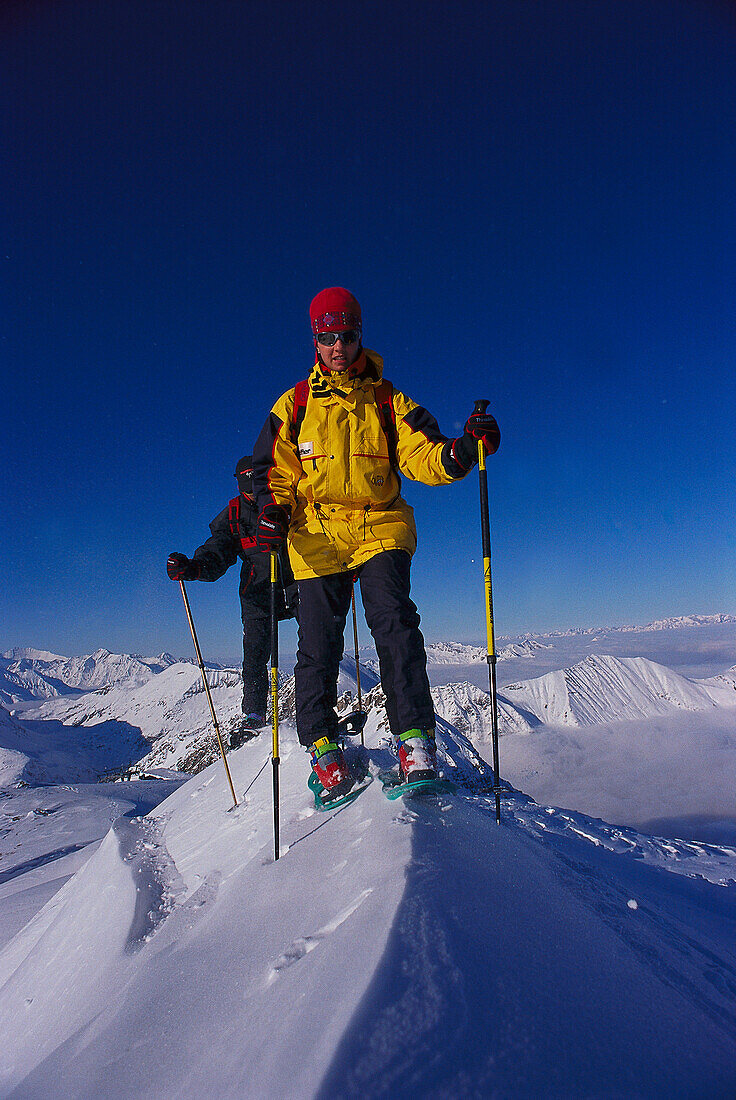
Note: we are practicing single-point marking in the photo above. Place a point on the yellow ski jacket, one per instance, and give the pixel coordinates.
(339, 477)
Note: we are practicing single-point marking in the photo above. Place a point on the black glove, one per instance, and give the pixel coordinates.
(180, 568)
(478, 426)
(273, 525)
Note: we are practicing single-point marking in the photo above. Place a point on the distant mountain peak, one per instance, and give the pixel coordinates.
(603, 688)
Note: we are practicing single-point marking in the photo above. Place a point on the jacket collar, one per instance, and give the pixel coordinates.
(367, 370)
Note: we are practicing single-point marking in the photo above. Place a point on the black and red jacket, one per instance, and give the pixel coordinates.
(234, 536)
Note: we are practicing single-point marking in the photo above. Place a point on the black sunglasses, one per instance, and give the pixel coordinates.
(330, 338)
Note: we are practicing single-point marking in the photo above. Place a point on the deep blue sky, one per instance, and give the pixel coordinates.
(534, 203)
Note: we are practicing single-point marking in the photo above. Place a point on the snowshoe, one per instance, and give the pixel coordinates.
(417, 771)
(322, 799)
(332, 782)
(248, 728)
(330, 766)
(395, 786)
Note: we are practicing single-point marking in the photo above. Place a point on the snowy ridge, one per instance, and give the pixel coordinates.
(25, 684)
(453, 653)
(468, 709)
(528, 648)
(604, 689)
(372, 913)
(23, 653)
(168, 689)
(456, 653)
(678, 622)
(169, 711)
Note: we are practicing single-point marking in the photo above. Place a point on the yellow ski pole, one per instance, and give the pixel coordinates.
(357, 662)
(275, 699)
(207, 689)
(480, 407)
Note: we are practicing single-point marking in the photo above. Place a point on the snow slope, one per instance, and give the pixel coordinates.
(168, 715)
(48, 832)
(13, 758)
(394, 949)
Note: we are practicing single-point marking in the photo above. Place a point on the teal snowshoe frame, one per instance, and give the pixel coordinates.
(321, 803)
(394, 787)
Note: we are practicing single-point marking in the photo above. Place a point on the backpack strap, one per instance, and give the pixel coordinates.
(301, 396)
(384, 394)
(247, 542)
(233, 516)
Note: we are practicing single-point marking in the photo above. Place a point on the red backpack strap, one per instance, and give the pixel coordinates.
(384, 394)
(233, 515)
(247, 542)
(301, 396)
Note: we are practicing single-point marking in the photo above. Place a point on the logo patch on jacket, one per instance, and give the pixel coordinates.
(306, 450)
(377, 479)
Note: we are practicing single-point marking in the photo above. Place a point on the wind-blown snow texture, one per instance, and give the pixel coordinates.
(395, 949)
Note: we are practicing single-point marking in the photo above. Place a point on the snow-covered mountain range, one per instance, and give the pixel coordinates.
(35, 674)
(151, 713)
(675, 622)
(166, 722)
(611, 689)
(145, 926)
(176, 957)
(455, 653)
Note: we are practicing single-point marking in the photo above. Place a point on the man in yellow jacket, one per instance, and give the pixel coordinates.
(326, 472)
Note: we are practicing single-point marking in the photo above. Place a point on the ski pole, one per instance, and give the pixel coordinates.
(357, 662)
(198, 651)
(275, 700)
(480, 407)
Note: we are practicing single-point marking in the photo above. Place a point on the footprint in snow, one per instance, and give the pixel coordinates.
(302, 945)
(298, 949)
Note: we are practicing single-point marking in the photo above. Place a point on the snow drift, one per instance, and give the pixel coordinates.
(393, 950)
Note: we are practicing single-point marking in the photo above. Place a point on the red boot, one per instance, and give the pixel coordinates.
(417, 755)
(328, 764)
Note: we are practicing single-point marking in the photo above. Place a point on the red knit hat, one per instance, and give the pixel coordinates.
(333, 310)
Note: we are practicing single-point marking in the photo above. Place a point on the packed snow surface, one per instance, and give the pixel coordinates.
(393, 950)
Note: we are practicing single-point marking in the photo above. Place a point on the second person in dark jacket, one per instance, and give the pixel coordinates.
(234, 536)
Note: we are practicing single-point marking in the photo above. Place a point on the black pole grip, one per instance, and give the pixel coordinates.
(480, 406)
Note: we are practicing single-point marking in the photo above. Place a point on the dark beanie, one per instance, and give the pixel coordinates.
(244, 474)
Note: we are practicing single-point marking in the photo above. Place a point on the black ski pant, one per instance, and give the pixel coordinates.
(394, 623)
(256, 652)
